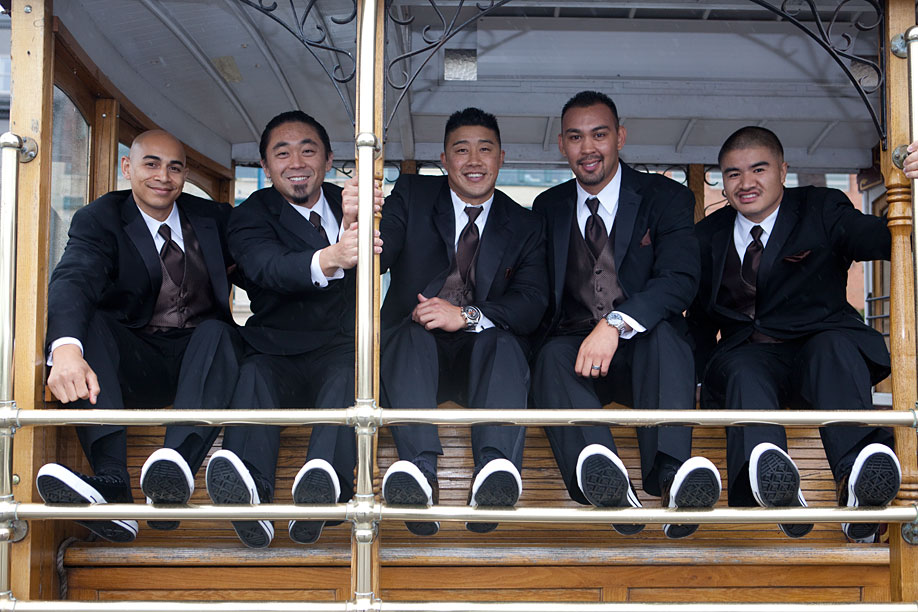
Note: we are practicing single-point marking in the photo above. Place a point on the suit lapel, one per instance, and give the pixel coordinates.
(494, 241)
(296, 224)
(334, 203)
(205, 229)
(444, 219)
(629, 200)
(721, 242)
(560, 218)
(784, 225)
(136, 229)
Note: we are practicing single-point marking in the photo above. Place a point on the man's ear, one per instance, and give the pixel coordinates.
(126, 167)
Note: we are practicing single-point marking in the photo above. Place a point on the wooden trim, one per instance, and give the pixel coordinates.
(33, 563)
(900, 15)
(408, 166)
(103, 169)
(695, 180)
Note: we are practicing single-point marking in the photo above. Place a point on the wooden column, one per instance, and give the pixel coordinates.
(104, 166)
(900, 15)
(696, 184)
(408, 166)
(33, 573)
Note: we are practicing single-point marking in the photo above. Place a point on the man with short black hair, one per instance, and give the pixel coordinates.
(297, 248)
(623, 266)
(468, 284)
(773, 279)
(138, 316)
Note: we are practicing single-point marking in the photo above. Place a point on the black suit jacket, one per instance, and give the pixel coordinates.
(111, 263)
(274, 245)
(656, 254)
(418, 232)
(802, 278)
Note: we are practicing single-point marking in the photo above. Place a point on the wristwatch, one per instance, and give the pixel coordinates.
(472, 316)
(615, 320)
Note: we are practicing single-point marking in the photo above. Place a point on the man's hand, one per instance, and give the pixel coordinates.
(436, 313)
(911, 162)
(349, 200)
(343, 254)
(71, 378)
(597, 349)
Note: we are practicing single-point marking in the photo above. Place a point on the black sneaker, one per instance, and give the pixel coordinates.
(604, 481)
(166, 479)
(775, 483)
(405, 484)
(315, 483)
(229, 482)
(497, 484)
(60, 485)
(695, 485)
(874, 482)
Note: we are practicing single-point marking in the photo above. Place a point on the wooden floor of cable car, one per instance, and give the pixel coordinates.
(536, 562)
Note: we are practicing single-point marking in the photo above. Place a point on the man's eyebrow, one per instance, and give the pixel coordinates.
(284, 143)
(158, 158)
(592, 129)
(755, 165)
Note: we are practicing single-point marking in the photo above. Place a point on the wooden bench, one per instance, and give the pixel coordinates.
(205, 560)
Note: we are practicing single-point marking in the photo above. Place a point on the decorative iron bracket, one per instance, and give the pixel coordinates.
(337, 74)
(839, 49)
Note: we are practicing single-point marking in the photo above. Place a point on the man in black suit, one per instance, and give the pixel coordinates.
(468, 283)
(623, 266)
(138, 315)
(297, 249)
(774, 270)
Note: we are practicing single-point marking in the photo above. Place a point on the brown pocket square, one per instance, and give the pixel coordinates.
(645, 241)
(796, 257)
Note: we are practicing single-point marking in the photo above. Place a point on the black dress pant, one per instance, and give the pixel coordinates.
(825, 371)
(488, 369)
(323, 378)
(652, 370)
(193, 368)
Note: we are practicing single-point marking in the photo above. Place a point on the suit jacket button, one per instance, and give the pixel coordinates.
(601, 306)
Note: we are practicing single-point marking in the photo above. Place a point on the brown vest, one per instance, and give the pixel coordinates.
(591, 287)
(187, 305)
(454, 290)
(735, 293)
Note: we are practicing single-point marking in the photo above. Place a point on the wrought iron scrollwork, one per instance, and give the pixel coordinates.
(839, 48)
(345, 64)
(433, 42)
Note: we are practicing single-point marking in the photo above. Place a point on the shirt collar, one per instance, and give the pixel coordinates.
(173, 221)
(459, 205)
(608, 197)
(321, 208)
(768, 223)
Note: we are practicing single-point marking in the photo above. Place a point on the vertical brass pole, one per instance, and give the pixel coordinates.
(903, 557)
(367, 142)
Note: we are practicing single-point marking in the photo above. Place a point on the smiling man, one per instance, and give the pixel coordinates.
(468, 284)
(623, 266)
(138, 316)
(774, 269)
(297, 248)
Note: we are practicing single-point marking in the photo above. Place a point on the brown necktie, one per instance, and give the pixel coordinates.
(595, 231)
(468, 243)
(316, 220)
(753, 256)
(172, 255)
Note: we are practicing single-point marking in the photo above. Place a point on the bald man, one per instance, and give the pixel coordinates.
(138, 317)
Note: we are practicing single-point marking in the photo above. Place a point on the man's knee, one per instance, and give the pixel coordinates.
(554, 359)
(833, 348)
(498, 345)
(213, 331)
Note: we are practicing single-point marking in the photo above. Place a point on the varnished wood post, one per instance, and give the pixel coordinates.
(408, 166)
(34, 573)
(696, 184)
(900, 16)
(104, 159)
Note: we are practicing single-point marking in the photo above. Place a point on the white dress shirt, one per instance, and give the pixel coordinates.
(742, 232)
(608, 207)
(332, 231)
